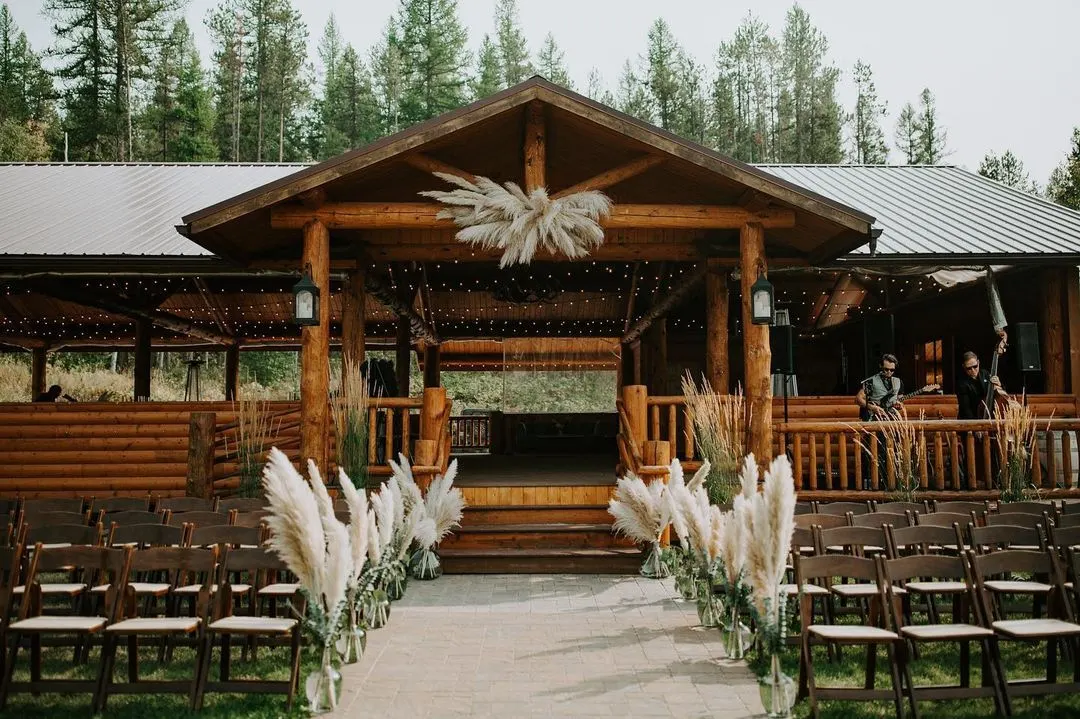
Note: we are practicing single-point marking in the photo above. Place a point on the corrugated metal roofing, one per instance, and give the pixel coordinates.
(114, 209)
(132, 209)
(942, 210)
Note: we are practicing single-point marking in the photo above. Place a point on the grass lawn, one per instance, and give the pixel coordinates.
(272, 663)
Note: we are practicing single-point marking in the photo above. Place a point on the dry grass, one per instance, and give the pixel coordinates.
(720, 433)
(255, 430)
(1016, 431)
(904, 450)
(350, 414)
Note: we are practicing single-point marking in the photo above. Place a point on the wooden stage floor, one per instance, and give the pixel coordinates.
(531, 470)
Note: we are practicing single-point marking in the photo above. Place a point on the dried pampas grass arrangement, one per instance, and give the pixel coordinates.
(771, 525)
(444, 506)
(503, 217)
(1017, 435)
(641, 513)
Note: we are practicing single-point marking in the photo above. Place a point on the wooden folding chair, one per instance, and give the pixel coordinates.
(826, 569)
(1004, 536)
(254, 518)
(825, 521)
(132, 625)
(100, 565)
(842, 508)
(900, 507)
(944, 519)
(178, 505)
(922, 571)
(51, 519)
(981, 509)
(1016, 519)
(200, 519)
(878, 520)
(226, 625)
(36, 506)
(242, 504)
(10, 566)
(64, 535)
(1052, 630)
(133, 516)
(111, 505)
(1036, 508)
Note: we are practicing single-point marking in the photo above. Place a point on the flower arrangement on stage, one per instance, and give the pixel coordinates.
(505, 217)
(719, 423)
(770, 529)
(640, 513)
(443, 507)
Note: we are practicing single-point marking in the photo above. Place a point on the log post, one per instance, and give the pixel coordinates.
(658, 453)
(232, 372)
(432, 376)
(315, 351)
(1072, 323)
(535, 146)
(200, 469)
(352, 319)
(1052, 335)
(716, 326)
(403, 356)
(757, 356)
(143, 331)
(37, 372)
(636, 403)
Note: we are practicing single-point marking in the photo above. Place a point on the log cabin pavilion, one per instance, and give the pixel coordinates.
(863, 260)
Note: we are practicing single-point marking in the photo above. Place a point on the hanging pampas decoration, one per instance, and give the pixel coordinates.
(504, 217)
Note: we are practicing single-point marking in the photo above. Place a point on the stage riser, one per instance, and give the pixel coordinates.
(538, 539)
(528, 514)
(534, 496)
(476, 563)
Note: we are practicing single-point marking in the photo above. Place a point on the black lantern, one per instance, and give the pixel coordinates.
(306, 300)
(761, 301)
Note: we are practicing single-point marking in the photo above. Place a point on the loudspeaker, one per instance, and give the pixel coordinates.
(782, 344)
(1027, 347)
(878, 339)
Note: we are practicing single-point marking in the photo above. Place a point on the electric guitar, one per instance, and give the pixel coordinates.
(889, 401)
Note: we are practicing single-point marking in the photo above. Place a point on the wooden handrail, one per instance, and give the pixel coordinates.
(935, 425)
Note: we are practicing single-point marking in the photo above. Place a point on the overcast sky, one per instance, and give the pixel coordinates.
(1006, 74)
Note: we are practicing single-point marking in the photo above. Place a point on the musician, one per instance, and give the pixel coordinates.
(972, 388)
(878, 389)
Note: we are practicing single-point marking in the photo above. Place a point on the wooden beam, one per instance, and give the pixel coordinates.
(432, 374)
(213, 305)
(422, 216)
(352, 319)
(426, 163)
(1052, 330)
(385, 294)
(535, 147)
(460, 252)
(631, 298)
(142, 359)
(661, 308)
(313, 199)
(232, 372)
(315, 352)
(613, 176)
(757, 355)
(753, 200)
(37, 371)
(716, 326)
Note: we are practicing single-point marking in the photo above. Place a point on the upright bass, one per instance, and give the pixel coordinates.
(988, 400)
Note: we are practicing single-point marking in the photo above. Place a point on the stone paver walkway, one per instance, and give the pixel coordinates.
(546, 646)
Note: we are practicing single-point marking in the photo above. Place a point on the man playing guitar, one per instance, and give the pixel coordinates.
(877, 389)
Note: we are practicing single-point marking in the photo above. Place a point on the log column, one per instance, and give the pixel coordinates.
(37, 372)
(535, 146)
(1052, 329)
(353, 329)
(432, 375)
(232, 372)
(315, 351)
(403, 356)
(716, 326)
(143, 331)
(757, 356)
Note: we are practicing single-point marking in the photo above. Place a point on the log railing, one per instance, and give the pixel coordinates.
(960, 455)
(470, 433)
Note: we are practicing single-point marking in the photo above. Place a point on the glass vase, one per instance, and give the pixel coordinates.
(323, 686)
(353, 641)
(397, 582)
(654, 567)
(684, 579)
(424, 564)
(377, 609)
(708, 609)
(778, 691)
(735, 635)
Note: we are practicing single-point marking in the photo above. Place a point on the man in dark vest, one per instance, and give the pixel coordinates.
(876, 395)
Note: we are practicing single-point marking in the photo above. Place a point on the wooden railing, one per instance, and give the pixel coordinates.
(960, 455)
(470, 433)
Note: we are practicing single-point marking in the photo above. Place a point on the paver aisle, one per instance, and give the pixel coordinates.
(546, 646)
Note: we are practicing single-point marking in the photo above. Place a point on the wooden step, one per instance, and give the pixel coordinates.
(535, 536)
(541, 561)
(536, 514)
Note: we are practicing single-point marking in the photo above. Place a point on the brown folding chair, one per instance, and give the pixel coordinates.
(918, 571)
(126, 517)
(178, 505)
(1053, 630)
(901, 507)
(842, 508)
(36, 506)
(944, 519)
(825, 569)
(1037, 508)
(825, 521)
(981, 509)
(201, 519)
(880, 519)
(48, 519)
(132, 625)
(226, 625)
(101, 565)
(242, 504)
(1004, 536)
(10, 566)
(927, 541)
(111, 505)
(64, 535)
(1016, 519)
(249, 519)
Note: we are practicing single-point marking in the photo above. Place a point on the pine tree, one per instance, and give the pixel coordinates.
(291, 82)
(691, 118)
(931, 138)
(868, 146)
(811, 105)
(488, 78)
(745, 97)
(27, 111)
(551, 63)
(82, 44)
(594, 85)
(329, 51)
(632, 96)
(513, 50)
(348, 115)
(388, 78)
(176, 123)
(1064, 185)
(663, 57)
(1007, 169)
(227, 26)
(432, 43)
(907, 134)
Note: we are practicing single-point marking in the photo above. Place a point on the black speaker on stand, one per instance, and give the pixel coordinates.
(782, 344)
(1027, 349)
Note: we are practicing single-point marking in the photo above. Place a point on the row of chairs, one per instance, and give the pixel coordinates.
(149, 503)
(128, 591)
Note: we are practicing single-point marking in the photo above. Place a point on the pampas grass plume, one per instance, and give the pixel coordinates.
(295, 522)
(638, 509)
(359, 534)
(445, 504)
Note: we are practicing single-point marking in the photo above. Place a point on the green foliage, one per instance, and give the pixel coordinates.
(1007, 169)
(551, 63)
(1064, 185)
(907, 140)
(432, 45)
(488, 77)
(868, 146)
(931, 138)
(346, 113)
(513, 50)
